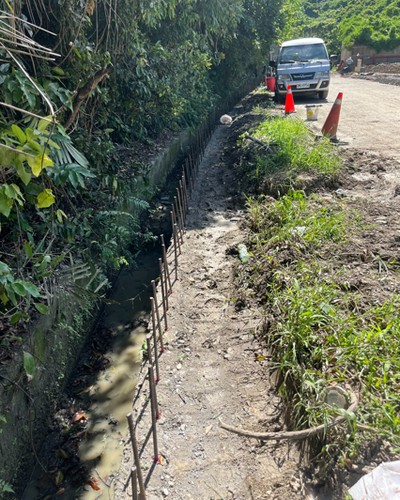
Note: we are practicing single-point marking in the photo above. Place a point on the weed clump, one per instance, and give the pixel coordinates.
(292, 158)
(323, 327)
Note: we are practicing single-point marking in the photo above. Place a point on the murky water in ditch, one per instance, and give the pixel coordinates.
(111, 392)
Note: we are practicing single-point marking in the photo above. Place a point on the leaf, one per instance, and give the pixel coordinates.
(23, 174)
(38, 163)
(31, 289)
(16, 317)
(44, 123)
(29, 365)
(59, 477)
(28, 249)
(45, 199)
(5, 205)
(92, 482)
(18, 133)
(61, 216)
(19, 289)
(42, 308)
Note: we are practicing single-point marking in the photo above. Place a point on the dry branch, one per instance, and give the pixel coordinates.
(85, 92)
(292, 435)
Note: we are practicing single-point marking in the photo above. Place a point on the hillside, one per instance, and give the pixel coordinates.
(372, 23)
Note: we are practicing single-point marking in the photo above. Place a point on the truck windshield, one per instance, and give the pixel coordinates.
(303, 53)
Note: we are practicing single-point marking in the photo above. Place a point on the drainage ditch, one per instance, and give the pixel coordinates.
(83, 451)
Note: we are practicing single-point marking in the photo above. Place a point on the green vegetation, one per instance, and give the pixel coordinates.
(323, 329)
(375, 23)
(74, 120)
(290, 151)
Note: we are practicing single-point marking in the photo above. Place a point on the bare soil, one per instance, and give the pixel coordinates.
(216, 368)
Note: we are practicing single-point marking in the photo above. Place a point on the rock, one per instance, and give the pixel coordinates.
(164, 492)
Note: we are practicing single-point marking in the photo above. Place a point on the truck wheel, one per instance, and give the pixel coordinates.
(323, 95)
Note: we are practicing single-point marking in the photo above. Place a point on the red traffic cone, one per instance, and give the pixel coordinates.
(289, 102)
(331, 123)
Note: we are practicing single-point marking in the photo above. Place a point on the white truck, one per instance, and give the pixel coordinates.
(304, 65)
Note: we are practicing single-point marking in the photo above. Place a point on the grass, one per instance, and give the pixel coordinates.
(293, 151)
(322, 330)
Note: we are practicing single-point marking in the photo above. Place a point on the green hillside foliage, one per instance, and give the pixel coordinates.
(375, 23)
(72, 123)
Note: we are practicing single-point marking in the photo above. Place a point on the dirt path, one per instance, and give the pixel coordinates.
(368, 117)
(214, 368)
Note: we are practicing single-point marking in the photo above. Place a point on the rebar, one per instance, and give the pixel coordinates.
(153, 411)
(153, 320)
(153, 284)
(134, 483)
(135, 450)
(163, 303)
(166, 268)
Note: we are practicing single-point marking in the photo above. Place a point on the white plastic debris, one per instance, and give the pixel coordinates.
(226, 120)
(383, 483)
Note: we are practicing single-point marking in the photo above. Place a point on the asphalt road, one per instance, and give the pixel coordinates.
(369, 116)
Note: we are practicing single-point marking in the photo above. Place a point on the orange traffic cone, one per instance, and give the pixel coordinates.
(331, 123)
(289, 102)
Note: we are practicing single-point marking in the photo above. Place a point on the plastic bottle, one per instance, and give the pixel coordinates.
(243, 253)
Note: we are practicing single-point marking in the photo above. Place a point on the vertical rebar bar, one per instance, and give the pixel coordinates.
(174, 231)
(153, 284)
(158, 413)
(180, 208)
(182, 185)
(153, 320)
(163, 283)
(166, 268)
(148, 346)
(175, 222)
(135, 450)
(187, 176)
(163, 303)
(179, 219)
(153, 411)
(134, 483)
(193, 170)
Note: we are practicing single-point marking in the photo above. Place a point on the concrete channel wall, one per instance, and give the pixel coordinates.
(55, 341)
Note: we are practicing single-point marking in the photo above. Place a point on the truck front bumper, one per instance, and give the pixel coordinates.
(303, 87)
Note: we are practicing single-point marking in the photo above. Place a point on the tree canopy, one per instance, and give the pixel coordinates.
(82, 82)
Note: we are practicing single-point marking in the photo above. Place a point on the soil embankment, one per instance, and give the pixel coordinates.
(214, 368)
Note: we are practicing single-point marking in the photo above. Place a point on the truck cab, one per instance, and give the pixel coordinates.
(304, 65)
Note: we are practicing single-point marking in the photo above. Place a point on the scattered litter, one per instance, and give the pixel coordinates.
(243, 253)
(226, 120)
(382, 483)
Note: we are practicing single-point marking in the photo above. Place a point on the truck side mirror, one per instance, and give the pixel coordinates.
(272, 64)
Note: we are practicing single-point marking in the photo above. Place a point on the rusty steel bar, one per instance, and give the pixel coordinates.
(174, 222)
(153, 320)
(192, 172)
(175, 230)
(176, 240)
(187, 175)
(158, 413)
(153, 284)
(179, 220)
(163, 302)
(180, 208)
(148, 345)
(135, 450)
(166, 268)
(182, 185)
(163, 283)
(134, 483)
(153, 411)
